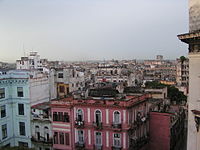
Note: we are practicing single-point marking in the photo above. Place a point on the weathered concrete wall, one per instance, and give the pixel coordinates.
(194, 101)
(194, 15)
(159, 131)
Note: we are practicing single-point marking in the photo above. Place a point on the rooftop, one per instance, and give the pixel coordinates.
(189, 36)
(127, 101)
(42, 106)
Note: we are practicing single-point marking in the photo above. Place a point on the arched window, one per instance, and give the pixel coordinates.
(37, 132)
(79, 115)
(98, 118)
(117, 117)
(46, 133)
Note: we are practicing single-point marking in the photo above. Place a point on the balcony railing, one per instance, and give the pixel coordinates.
(116, 125)
(98, 125)
(79, 124)
(41, 117)
(116, 147)
(138, 143)
(98, 147)
(80, 145)
(42, 140)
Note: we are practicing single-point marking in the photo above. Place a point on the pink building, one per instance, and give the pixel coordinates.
(96, 124)
(167, 129)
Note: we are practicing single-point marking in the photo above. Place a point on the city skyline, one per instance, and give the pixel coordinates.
(92, 30)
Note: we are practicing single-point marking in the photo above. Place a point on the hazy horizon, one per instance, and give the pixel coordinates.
(80, 30)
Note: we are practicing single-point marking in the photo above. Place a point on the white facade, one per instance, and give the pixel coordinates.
(15, 109)
(75, 79)
(41, 129)
(31, 62)
(194, 101)
(39, 88)
(107, 73)
(182, 73)
(194, 10)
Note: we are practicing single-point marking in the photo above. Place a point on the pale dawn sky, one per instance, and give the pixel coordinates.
(92, 29)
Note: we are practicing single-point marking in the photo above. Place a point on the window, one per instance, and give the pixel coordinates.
(3, 111)
(98, 138)
(55, 116)
(80, 136)
(22, 128)
(117, 118)
(117, 140)
(55, 138)
(67, 90)
(21, 109)
(60, 75)
(60, 116)
(20, 92)
(79, 115)
(46, 133)
(2, 93)
(98, 116)
(61, 89)
(4, 131)
(61, 138)
(66, 138)
(23, 144)
(66, 117)
(37, 132)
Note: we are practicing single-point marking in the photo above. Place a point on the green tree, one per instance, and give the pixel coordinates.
(154, 85)
(175, 95)
(182, 58)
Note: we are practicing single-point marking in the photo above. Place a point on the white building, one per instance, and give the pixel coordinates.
(109, 73)
(193, 39)
(41, 129)
(39, 87)
(64, 81)
(182, 72)
(31, 62)
(15, 109)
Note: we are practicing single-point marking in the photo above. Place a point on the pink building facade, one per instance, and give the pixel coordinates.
(167, 131)
(97, 124)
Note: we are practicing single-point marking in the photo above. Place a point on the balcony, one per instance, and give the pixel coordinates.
(98, 147)
(116, 147)
(80, 145)
(139, 142)
(98, 125)
(42, 140)
(116, 126)
(79, 124)
(41, 117)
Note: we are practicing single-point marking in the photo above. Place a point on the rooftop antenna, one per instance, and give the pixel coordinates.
(24, 50)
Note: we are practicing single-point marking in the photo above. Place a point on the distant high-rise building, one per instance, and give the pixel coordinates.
(182, 72)
(193, 39)
(159, 57)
